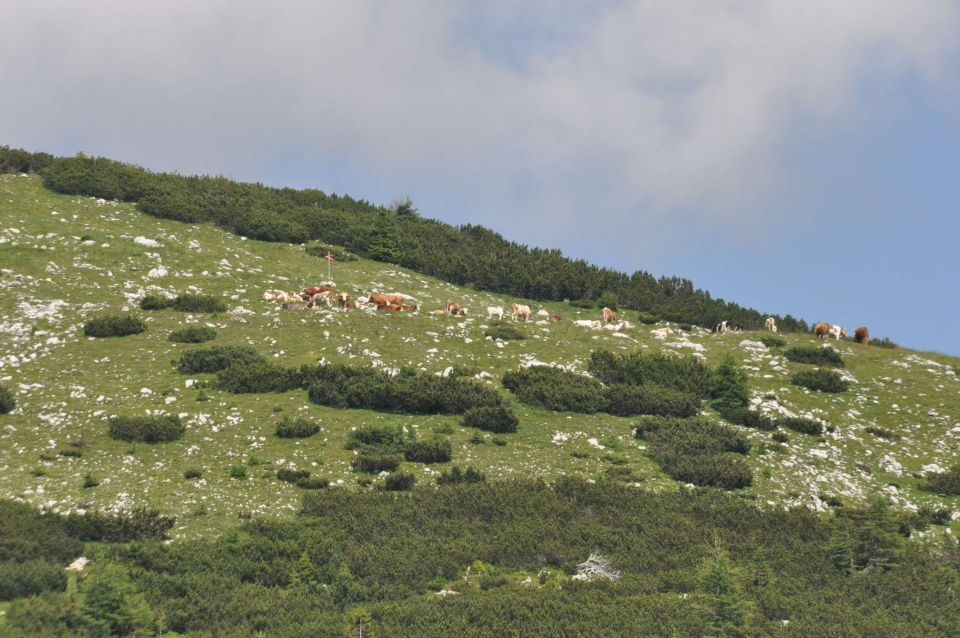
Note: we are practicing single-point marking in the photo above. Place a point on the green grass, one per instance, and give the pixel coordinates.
(68, 385)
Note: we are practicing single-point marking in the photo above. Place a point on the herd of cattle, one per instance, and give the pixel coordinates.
(316, 297)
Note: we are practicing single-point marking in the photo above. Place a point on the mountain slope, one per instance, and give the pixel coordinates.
(67, 258)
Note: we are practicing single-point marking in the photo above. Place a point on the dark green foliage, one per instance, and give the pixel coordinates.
(399, 482)
(885, 342)
(457, 476)
(589, 304)
(150, 429)
(556, 389)
(190, 302)
(882, 433)
(500, 419)
(749, 418)
(631, 400)
(821, 380)
(320, 250)
(29, 578)
(647, 318)
(505, 331)
(436, 450)
(216, 358)
(375, 461)
(292, 476)
(313, 483)
(780, 437)
(238, 472)
(192, 473)
(801, 424)
(698, 451)
(772, 342)
(193, 334)
(729, 391)
(945, 483)
(34, 549)
(866, 538)
(298, 428)
(17, 160)
(254, 378)
(110, 605)
(113, 326)
(386, 438)
(155, 302)
(418, 393)
(608, 300)
(814, 355)
(684, 374)
(721, 585)
(466, 255)
(7, 400)
(137, 524)
(90, 481)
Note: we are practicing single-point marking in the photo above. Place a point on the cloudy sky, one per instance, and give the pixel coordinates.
(797, 157)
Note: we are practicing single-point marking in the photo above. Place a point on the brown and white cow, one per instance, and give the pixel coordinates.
(861, 335)
(343, 300)
(381, 300)
(307, 293)
(519, 310)
(607, 316)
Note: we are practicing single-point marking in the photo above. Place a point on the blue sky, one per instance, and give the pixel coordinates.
(795, 157)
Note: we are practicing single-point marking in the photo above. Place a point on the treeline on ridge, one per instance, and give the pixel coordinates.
(467, 255)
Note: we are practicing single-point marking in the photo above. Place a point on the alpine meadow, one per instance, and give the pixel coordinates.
(228, 409)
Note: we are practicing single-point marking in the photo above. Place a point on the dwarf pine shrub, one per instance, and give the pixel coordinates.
(193, 334)
(500, 419)
(298, 428)
(113, 326)
(7, 401)
(149, 429)
(436, 450)
(216, 358)
(815, 355)
(820, 380)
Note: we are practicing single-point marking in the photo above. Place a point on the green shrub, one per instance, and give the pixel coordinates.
(399, 482)
(113, 326)
(150, 429)
(584, 303)
(457, 476)
(29, 578)
(728, 387)
(299, 428)
(193, 334)
(647, 318)
(313, 483)
(192, 473)
(632, 400)
(17, 160)
(727, 471)
(505, 332)
(821, 380)
(258, 377)
(882, 433)
(89, 481)
(801, 424)
(683, 374)
(375, 461)
(292, 476)
(608, 300)
(435, 450)
(216, 358)
(885, 342)
(7, 400)
(748, 418)
(238, 472)
(698, 451)
(815, 355)
(392, 438)
(155, 302)
(780, 437)
(945, 483)
(499, 419)
(556, 389)
(190, 302)
(772, 342)
(139, 523)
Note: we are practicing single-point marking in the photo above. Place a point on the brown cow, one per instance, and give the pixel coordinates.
(556, 318)
(386, 300)
(822, 330)
(316, 290)
(861, 335)
(607, 316)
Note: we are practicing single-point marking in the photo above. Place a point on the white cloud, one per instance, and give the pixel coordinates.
(652, 106)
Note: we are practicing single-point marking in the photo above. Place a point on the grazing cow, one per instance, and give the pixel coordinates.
(343, 299)
(519, 310)
(316, 290)
(382, 300)
(556, 318)
(771, 324)
(319, 298)
(837, 332)
(661, 333)
(607, 316)
(723, 327)
(495, 311)
(861, 335)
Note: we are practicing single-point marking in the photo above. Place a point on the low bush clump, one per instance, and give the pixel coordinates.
(584, 303)
(190, 302)
(772, 342)
(556, 389)
(374, 461)
(150, 429)
(647, 318)
(945, 483)
(435, 450)
(882, 433)
(292, 476)
(238, 472)
(820, 380)
(392, 438)
(258, 377)
(137, 524)
(29, 578)
(457, 476)
(154, 301)
(505, 332)
(399, 482)
(193, 334)
(802, 425)
(815, 355)
(683, 374)
(114, 326)
(216, 358)
(298, 428)
(313, 483)
(192, 473)
(631, 400)
(698, 451)
(7, 401)
(499, 419)
(885, 342)
(748, 418)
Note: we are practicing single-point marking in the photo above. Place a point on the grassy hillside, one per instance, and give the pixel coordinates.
(68, 258)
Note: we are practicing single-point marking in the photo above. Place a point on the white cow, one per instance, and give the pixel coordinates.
(837, 332)
(519, 310)
(771, 324)
(495, 311)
